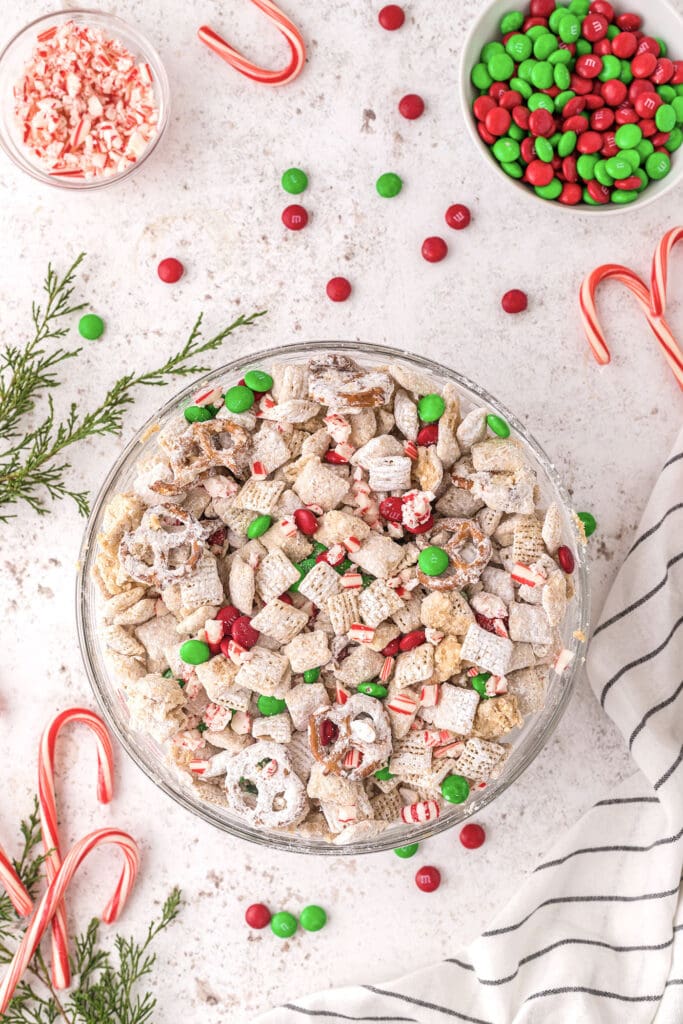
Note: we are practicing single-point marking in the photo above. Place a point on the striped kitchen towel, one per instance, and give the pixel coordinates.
(595, 935)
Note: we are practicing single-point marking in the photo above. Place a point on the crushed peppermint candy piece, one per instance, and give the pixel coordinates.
(87, 107)
(523, 574)
(563, 661)
(361, 634)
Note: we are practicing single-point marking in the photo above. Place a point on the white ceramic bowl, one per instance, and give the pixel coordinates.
(659, 18)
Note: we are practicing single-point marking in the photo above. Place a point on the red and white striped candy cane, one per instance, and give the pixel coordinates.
(54, 899)
(13, 886)
(248, 68)
(638, 288)
(61, 974)
(660, 270)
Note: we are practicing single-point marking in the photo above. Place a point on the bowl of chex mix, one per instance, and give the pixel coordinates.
(334, 599)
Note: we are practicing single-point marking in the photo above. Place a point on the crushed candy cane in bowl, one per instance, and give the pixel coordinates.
(84, 99)
(334, 599)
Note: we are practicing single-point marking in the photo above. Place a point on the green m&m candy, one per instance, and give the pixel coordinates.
(257, 527)
(433, 561)
(194, 652)
(479, 684)
(383, 774)
(430, 408)
(481, 78)
(283, 924)
(628, 136)
(455, 789)
(519, 47)
(544, 149)
(406, 852)
(569, 28)
(388, 185)
(501, 66)
(658, 166)
(239, 398)
(294, 181)
(498, 425)
(197, 414)
(311, 675)
(269, 706)
(619, 167)
(258, 380)
(665, 118)
(506, 150)
(313, 918)
(91, 326)
(589, 523)
(373, 689)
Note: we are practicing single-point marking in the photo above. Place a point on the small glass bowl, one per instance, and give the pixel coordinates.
(149, 755)
(13, 60)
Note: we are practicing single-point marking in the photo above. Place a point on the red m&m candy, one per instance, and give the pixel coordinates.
(244, 633)
(428, 879)
(257, 915)
(391, 17)
(412, 106)
(514, 301)
(170, 270)
(294, 217)
(472, 836)
(458, 216)
(338, 289)
(434, 249)
(306, 521)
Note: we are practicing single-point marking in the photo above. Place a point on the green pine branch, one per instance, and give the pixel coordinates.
(33, 466)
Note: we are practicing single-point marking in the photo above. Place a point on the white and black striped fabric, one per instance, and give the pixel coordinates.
(595, 935)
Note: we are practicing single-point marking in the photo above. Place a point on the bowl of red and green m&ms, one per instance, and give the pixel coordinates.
(578, 103)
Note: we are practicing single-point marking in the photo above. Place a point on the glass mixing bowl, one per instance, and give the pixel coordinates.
(13, 59)
(149, 755)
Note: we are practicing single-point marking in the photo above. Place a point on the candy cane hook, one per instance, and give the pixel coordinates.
(660, 269)
(61, 974)
(639, 289)
(246, 67)
(14, 887)
(54, 898)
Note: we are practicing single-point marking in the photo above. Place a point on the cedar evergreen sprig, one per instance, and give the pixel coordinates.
(33, 468)
(105, 982)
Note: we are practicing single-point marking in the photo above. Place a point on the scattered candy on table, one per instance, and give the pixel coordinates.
(170, 270)
(294, 181)
(406, 852)
(428, 879)
(287, 28)
(458, 216)
(472, 836)
(294, 217)
(391, 17)
(434, 249)
(283, 924)
(388, 185)
(312, 918)
(257, 915)
(91, 326)
(652, 301)
(338, 289)
(87, 107)
(50, 909)
(514, 301)
(411, 106)
(579, 103)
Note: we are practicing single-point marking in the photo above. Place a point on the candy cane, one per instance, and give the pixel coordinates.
(247, 67)
(637, 287)
(660, 270)
(61, 974)
(54, 897)
(13, 886)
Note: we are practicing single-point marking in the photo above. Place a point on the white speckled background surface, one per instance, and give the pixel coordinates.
(211, 196)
